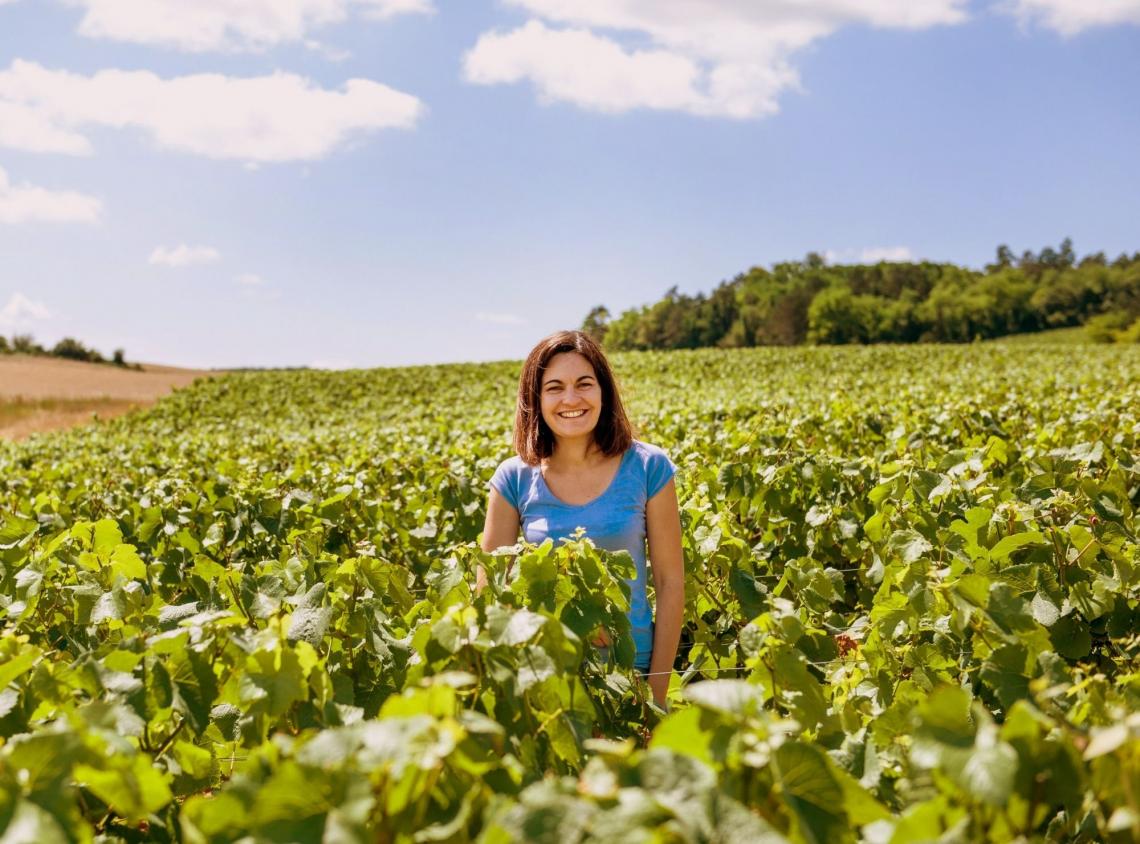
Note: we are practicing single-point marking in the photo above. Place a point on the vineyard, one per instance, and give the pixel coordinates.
(912, 584)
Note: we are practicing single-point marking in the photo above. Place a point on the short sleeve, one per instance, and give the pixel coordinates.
(505, 481)
(658, 470)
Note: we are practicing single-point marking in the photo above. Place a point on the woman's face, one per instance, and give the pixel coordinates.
(571, 398)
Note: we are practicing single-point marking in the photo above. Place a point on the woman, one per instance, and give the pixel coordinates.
(579, 466)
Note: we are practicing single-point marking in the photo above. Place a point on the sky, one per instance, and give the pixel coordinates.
(357, 183)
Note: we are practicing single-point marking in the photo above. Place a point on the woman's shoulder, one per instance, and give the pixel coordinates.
(654, 466)
(514, 466)
(647, 452)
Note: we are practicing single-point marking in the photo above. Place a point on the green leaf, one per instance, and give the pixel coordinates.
(1070, 637)
(944, 721)
(14, 529)
(1045, 612)
(732, 697)
(132, 787)
(1011, 612)
(909, 545)
(125, 561)
(811, 793)
(33, 824)
(684, 732)
(973, 530)
(522, 627)
(106, 536)
(1004, 672)
(18, 664)
(195, 761)
(310, 623)
(1004, 548)
(988, 773)
(273, 680)
(1092, 599)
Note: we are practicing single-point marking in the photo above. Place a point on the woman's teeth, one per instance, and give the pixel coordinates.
(571, 414)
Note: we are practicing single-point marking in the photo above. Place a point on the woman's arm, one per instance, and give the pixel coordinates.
(500, 528)
(663, 530)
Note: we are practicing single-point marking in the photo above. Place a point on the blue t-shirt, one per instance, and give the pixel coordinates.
(614, 521)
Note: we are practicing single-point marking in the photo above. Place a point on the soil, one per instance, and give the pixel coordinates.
(43, 393)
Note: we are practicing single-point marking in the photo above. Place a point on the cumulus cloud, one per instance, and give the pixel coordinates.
(202, 25)
(725, 58)
(500, 319)
(24, 128)
(31, 204)
(1070, 17)
(281, 117)
(183, 256)
(869, 255)
(20, 312)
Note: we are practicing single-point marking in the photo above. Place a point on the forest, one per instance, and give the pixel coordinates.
(811, 301)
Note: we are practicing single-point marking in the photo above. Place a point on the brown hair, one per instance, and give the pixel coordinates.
(534, 440)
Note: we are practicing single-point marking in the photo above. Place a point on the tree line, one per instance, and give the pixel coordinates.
(68, 348)
(810, 301)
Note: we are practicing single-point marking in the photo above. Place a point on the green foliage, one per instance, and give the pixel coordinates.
(912, 586)
(809, 301)
(68, 348)
(72, 349)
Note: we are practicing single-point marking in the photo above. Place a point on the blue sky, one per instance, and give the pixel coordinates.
(380, 182)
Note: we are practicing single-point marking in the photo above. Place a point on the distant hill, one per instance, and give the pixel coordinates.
(41, 393)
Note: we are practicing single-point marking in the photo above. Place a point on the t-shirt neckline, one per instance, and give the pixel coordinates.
(595, 499)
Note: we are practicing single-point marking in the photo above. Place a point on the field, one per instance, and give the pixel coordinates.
(44, 394)
(912, 577)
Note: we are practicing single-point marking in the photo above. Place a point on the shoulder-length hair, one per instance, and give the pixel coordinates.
(534, 441)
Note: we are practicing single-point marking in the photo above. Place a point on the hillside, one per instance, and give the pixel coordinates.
(911, 593)
(46, 393)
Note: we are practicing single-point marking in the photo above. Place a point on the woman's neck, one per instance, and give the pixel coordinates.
(572, 453)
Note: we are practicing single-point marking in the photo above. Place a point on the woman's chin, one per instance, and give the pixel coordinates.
(570, 433)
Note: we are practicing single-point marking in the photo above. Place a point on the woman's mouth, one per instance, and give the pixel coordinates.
(571, 414)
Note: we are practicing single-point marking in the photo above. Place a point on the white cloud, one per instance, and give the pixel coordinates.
(20, 311)
(1070, 17)
(869, 255)
(201, 25)
(576, 66)
(723, 58)
(183, 255)
(327, 52)
(500, 319)
(282, 117)
(22, 127)
(30, 204)
(249, 280)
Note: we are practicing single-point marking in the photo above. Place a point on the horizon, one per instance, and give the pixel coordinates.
(378, 183)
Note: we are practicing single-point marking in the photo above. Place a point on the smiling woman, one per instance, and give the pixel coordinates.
(578, 466)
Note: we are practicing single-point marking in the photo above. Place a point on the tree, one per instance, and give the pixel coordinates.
(596, 322)
(1067, 256)
(1004, 259)
(72, 349)
(119, 358)
(25, 344)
